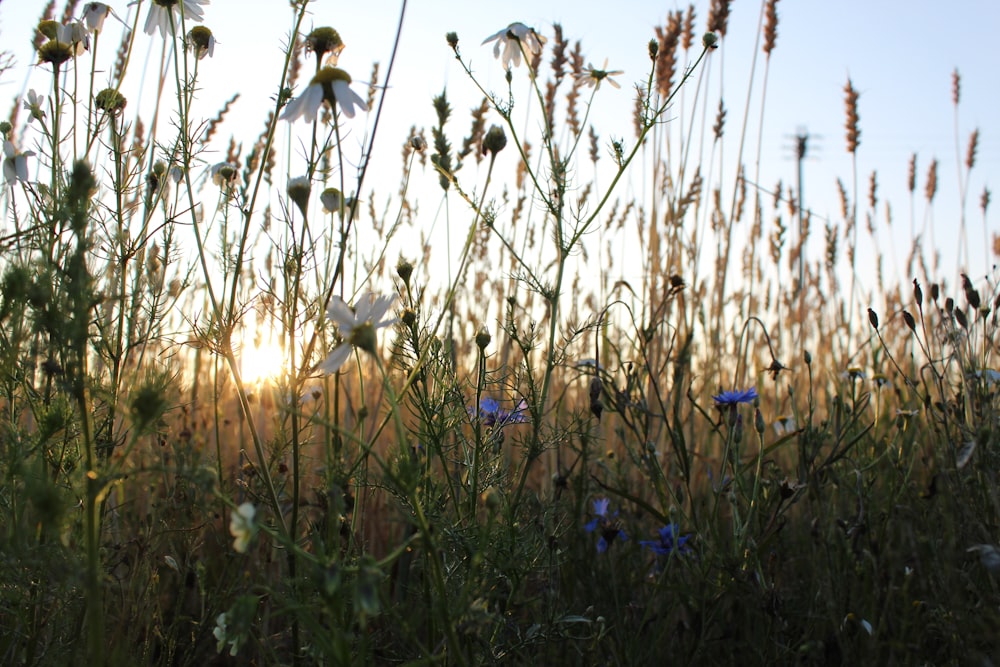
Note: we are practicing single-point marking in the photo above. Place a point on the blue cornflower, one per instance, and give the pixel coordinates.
(492, 414)
(669, 542)
(609, 525)
(735, 397)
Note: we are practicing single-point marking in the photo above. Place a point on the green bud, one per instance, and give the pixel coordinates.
(298, 191)
(483, 338)
(324, 40)
(495, 140)
(110, 101)
(452, 39)
(404, 269)
(710, 40)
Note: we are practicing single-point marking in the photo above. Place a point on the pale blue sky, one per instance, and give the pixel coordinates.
(899, 53)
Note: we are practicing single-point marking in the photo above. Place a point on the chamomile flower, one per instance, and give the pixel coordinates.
(242, 527)
(330, 84)
(94, 14)
(591, 76)
(225, 174)
(34, 104)
(514, 39)
(165, 15)
(15, 165)
(65, 41)
(357, 326)
(201, 42)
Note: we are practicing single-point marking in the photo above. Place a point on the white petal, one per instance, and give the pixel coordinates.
(340, 313)
(496, 35)
(337, 358)
(380, 308)
(347, 98)
(305, 105)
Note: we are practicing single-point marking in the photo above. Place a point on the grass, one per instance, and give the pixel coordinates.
(509, 455)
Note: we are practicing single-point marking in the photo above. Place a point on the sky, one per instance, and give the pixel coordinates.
(900, 55)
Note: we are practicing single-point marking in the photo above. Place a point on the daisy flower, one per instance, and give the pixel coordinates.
(225, 173)
(15, 165)
(65, 41)
(34, 104)
(330, 84)
(242, 527)
(166, 15)
(94, 14)
(201, 42)
(357, 326)
(514, 39)
(591, 76)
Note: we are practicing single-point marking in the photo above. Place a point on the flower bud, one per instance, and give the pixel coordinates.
(654, 48)
(710, 40)
(495, 140)
(483, 338)
(110, 101)
(404, 269)
(452, 39)
(298, 191)
(324, 40)
(492, 499)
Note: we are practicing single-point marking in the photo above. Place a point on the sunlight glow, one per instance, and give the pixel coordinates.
(261, 363)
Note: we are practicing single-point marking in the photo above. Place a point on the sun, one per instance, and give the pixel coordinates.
(261, 363)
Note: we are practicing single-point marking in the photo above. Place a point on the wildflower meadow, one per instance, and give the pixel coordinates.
(548, 387)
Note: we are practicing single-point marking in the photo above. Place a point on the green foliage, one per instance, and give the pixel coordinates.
(529, 461)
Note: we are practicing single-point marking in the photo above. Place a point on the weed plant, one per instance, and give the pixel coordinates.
(522, 458)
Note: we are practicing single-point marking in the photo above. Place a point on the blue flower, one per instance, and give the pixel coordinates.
(735, 397)
(492, 415)
(609, 525)
(669, 541)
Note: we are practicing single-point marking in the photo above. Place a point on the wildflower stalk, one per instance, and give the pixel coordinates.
(429, 540)
(224, 324)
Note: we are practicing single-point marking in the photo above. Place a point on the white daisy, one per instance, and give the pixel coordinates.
(330, 84)
(357, 326)
(15, 165)
(515, 38)
(201, 42)
(163, 13)
(34, 104)
(94, 14)
(591, 76)
(242, 527)
(225, 174)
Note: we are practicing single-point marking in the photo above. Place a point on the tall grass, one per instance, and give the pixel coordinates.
(513, 454)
